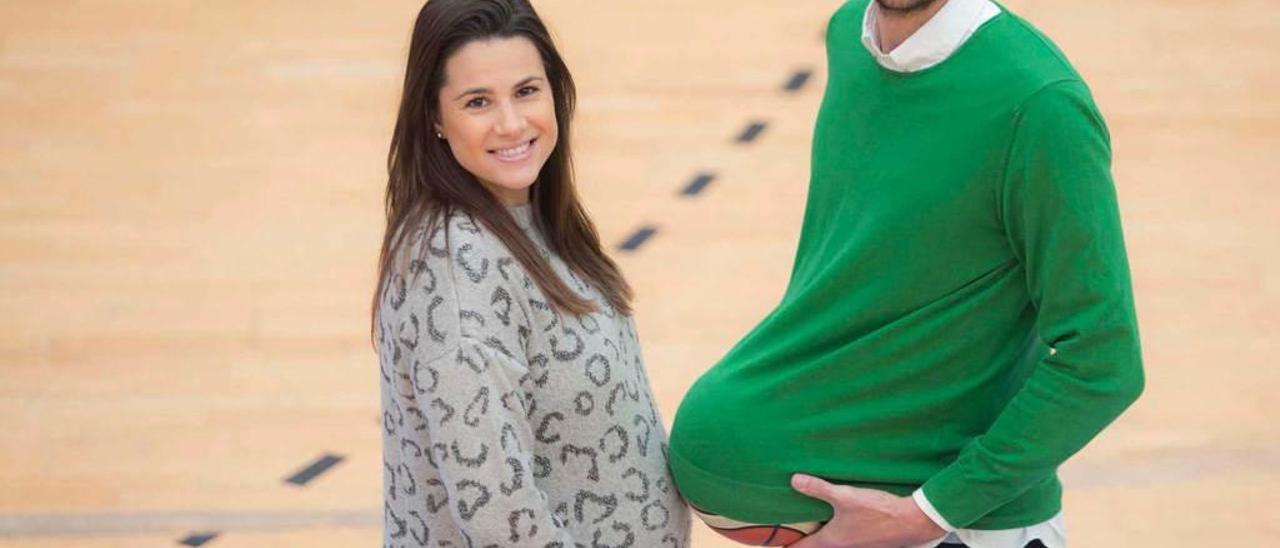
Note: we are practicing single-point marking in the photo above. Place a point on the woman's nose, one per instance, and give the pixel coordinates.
(510, 119)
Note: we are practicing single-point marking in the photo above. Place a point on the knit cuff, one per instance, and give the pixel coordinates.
(928, 509)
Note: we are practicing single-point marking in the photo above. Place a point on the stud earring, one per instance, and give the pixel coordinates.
(439, 135)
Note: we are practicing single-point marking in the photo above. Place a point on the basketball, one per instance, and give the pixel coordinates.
(754, 534)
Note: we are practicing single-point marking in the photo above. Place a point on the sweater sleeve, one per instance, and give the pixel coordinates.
(482, 447)
(1062, 222)
(476, 410)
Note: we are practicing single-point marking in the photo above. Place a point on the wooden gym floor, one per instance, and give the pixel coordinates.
(189, 214)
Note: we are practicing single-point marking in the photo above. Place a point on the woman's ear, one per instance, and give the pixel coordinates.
(436, 126)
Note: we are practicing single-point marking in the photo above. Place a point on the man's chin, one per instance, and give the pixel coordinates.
(903, 7)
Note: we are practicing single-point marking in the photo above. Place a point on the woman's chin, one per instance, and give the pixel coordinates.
(518, 181)
(511, 190)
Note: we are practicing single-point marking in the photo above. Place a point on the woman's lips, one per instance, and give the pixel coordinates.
(517, 153)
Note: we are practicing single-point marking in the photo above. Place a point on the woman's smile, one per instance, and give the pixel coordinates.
(514, 154)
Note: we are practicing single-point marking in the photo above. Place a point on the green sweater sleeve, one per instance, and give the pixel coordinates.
(1062, 221)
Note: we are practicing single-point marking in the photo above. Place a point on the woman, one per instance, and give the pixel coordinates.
(516, 408)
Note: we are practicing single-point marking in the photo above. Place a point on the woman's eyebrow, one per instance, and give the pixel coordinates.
(471, 91)
(527, 81)
(481, 91)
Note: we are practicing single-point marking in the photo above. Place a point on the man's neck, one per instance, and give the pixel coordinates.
(894, 27)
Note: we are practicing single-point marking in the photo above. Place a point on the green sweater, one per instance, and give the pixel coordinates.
(959, 315)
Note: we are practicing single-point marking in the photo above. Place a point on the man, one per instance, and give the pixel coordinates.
(959, 319)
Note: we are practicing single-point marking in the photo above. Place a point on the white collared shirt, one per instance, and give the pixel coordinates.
(933, 43)
(941, 36)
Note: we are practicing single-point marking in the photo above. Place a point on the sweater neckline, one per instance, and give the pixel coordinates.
(523, 215)
(964, 46)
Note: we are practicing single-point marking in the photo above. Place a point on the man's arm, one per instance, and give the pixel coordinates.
(1062, 221)
(1063, 224)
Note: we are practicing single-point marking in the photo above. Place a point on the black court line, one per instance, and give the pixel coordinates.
(798, 80)
(699, 182)
(753, 130)
(314, 469)
(638, 239)
(198, 539)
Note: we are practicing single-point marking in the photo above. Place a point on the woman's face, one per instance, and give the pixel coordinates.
(498, 114)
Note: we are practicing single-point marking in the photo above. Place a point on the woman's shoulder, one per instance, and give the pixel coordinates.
(475, 258)
(455, 243)
(454, 281)
(465, 272)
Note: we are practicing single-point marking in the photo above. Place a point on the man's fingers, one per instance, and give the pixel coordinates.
(813, 487)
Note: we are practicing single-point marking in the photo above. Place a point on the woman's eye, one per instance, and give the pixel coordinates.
(527, 90)
(477, 102)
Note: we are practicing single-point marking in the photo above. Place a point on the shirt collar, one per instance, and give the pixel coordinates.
(932, 43)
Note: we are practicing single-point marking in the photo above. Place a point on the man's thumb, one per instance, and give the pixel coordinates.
(814, 487)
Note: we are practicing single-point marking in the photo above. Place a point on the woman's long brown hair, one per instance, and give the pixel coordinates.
(426, 184)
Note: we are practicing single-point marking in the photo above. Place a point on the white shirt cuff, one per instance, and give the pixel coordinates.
(929, 510)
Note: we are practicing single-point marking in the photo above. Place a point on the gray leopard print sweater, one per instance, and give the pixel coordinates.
(506, 424)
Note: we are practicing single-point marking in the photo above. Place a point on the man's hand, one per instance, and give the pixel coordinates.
(865, 518)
